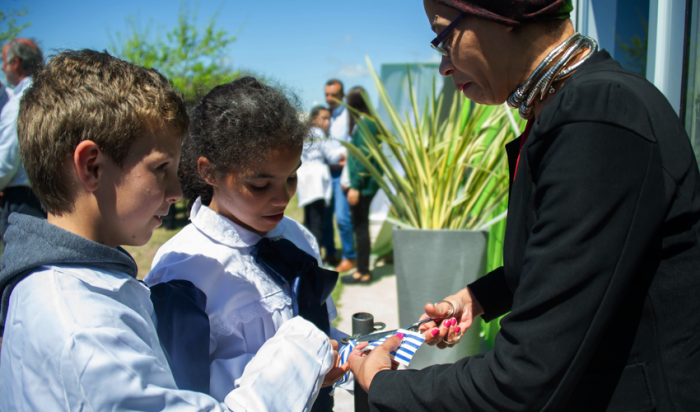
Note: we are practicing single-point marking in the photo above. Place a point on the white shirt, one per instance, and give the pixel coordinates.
(314, 176)
(245, 306)
(11, 171)
(79, 339)
(5, 94)
(338, 130)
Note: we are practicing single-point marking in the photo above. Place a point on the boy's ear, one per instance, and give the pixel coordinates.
(206, 171)
(87, 162)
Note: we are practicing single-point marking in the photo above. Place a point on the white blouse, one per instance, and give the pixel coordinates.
(245, 306)
(84, 339)
(314, 175)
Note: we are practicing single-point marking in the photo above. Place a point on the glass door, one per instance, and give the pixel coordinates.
(692, 92)
(620, 26)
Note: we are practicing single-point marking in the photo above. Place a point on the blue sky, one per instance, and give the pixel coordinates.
(299, 43)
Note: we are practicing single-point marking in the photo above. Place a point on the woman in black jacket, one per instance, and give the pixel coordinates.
(601, 267)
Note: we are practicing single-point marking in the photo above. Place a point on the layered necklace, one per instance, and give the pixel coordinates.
(554, 67)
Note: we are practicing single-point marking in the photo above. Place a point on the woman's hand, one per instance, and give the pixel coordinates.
(450, 328)
(337, 371)
(353, 197)
(366, 365)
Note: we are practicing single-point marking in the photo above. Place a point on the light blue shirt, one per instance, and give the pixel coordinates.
(11, 171)
(339, 129)
(5, 95)
(79, 339)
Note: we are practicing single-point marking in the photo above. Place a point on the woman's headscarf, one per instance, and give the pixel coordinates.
(513, 12)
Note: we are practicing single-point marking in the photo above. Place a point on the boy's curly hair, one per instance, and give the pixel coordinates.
(89, 95)
(236, 126)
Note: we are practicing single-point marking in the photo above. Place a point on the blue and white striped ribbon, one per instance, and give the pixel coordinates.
(403, 355)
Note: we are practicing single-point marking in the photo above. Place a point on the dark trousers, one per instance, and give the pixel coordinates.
(360, 223)
(19, 199)
(313, 219)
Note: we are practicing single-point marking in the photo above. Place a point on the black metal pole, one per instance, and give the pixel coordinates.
(362, 324)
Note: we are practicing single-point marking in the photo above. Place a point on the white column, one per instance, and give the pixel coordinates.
(665, 53)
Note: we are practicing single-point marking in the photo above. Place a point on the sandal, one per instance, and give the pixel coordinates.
(357, 277)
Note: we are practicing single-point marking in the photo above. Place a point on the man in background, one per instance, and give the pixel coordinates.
(338, 132)
(20, 59)
(5, 94)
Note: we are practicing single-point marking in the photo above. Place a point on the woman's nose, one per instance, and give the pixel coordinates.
(446, 66)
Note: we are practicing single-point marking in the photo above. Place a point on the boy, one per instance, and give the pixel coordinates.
(100, 140)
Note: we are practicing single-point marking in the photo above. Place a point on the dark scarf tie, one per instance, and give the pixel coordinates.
(183, 331)
(311, 285)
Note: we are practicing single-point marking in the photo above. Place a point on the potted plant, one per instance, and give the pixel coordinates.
(445, 179)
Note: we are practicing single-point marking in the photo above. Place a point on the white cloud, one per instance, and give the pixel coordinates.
(351, 70)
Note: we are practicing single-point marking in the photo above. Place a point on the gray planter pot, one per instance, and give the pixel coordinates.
(431, 265)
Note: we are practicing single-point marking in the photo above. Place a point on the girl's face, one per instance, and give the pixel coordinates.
(323, 120)
(256, 199)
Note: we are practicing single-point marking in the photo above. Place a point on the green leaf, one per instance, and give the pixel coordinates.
(192, 58)
(452, 173)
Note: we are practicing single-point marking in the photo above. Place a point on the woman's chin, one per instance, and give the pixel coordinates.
(476, 94)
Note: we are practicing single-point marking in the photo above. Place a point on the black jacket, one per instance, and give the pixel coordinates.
(601, 266)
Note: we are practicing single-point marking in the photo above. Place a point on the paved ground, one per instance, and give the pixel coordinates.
(379, 299)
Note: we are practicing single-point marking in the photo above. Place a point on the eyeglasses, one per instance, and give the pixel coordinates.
(437, 42)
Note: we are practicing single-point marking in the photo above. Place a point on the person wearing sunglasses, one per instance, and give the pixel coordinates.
(601, 259)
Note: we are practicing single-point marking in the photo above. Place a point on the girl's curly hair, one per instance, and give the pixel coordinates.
(236, 126)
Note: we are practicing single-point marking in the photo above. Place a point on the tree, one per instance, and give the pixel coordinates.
(8, 25)
(194, 61)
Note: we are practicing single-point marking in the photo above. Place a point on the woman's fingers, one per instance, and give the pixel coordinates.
(441, 310)
(435, 336)
(366, 366)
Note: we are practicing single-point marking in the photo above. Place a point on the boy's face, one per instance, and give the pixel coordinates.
(136, 195)
(256, 199)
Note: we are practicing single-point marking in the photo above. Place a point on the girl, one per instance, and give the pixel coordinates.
(239, 167)
(363, 187)
(314, 188)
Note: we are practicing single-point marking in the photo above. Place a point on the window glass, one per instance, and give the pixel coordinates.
(692, 104)
(622, 28)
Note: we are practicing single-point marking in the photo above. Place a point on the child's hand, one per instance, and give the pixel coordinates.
(353, 197)
(337, 371)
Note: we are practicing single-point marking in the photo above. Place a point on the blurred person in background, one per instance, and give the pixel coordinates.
(314, 187)
(340, 207)
(20, 59)
(363, 186)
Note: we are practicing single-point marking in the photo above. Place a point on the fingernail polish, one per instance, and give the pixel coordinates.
(452, 322)
(400, 335)
(457, 330)
(434, 332)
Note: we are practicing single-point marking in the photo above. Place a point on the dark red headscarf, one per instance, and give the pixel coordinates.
(512, 12)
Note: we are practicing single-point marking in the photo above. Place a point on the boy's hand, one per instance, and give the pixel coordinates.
(337, 371)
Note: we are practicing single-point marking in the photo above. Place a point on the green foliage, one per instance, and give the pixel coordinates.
(455, 173)
(193, 60)
(9, 29)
